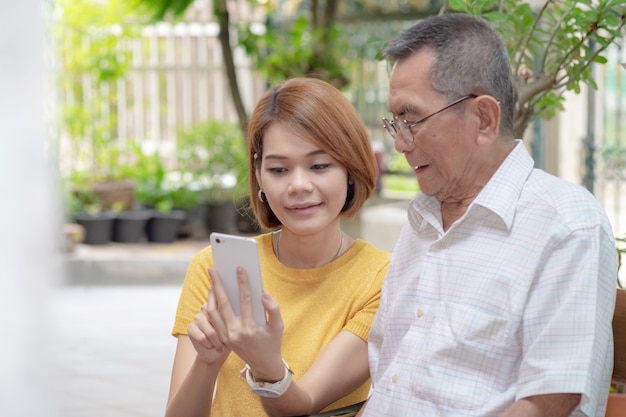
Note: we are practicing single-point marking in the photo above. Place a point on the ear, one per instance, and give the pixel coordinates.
(257, 171)
(488, 110)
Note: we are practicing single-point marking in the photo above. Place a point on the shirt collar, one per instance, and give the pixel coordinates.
(500, 194)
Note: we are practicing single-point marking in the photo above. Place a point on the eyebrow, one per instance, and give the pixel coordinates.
(407, 108)
(308, 155)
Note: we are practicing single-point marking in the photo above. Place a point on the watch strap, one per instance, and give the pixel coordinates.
(268, 389)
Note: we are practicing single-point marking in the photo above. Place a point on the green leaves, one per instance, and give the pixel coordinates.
(90, 37)
(162, 9)
(212, 152)
(298, 50)
(551, 46)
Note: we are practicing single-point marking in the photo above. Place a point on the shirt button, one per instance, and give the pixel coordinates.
(394, 379)
(440, 244)
(419, 313)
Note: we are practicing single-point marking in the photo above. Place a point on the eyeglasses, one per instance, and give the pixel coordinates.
(400, 125)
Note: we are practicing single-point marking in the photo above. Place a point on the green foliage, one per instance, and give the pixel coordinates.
(83, 200)
(214, 154)
(311, 46)
(552, 47)
(400, 185)
(154, 188)
(299, 50)
(162, 9)
(90, 36)
(165, 205)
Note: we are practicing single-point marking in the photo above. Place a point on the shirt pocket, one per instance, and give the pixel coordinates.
(471, 358)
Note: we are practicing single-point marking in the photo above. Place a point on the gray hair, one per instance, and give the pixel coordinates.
(470, 58)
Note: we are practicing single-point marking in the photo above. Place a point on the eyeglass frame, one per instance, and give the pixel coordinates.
(404, 125)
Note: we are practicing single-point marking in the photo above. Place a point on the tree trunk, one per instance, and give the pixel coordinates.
(223, 18)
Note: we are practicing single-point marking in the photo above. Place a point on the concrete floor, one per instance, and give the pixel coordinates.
(113, 350)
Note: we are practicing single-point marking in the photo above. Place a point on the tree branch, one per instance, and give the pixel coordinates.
(524, 45)
(555, 30)
(526, 92)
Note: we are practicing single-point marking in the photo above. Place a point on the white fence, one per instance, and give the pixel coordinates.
(175, 79)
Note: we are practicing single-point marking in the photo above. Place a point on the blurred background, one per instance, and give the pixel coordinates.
(122, 147)
(152, 97)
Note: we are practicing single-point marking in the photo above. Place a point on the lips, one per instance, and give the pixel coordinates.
(420, 168)
(304, 208)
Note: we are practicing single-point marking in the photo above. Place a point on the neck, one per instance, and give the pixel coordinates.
(305, 252)
(453, 206)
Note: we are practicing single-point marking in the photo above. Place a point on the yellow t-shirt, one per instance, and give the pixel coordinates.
(315, 304)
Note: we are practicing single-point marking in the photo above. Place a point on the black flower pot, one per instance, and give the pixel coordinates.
(98, 227)
(129, 226)
(193, 226)
(220, 216)
(163, 227)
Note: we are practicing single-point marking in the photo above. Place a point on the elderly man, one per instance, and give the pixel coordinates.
(500, 291)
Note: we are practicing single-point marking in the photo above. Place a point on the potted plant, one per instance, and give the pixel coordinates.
(164, 222)
(214, 154)
(165, 198)
(186, 197)
(129, 225)
(87, 211)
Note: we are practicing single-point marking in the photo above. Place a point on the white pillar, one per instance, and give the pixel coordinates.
(28, 215)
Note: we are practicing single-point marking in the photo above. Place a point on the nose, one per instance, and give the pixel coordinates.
(402, 143)
(300, 181)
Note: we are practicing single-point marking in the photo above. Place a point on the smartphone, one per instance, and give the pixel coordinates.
(230, 252)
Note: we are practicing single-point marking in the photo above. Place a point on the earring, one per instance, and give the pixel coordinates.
(262, 197)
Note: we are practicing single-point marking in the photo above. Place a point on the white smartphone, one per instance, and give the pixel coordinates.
(230, 252)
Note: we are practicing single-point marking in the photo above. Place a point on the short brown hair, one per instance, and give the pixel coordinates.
(320, 113)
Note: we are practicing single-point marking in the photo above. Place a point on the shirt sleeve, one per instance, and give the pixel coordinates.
(567, 336)
(361, 323)
(195, 291)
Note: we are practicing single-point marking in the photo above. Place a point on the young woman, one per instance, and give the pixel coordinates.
(310, 164)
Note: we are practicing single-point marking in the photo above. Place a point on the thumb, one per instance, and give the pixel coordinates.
(274, 319)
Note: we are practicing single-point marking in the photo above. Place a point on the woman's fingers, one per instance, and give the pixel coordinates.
(245, 298)
(203, 332)
(210, 329)
(274, 318)
(221, 298)
(220, 312)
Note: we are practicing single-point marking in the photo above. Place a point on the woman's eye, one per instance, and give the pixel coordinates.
(277, 170)
(320, 166)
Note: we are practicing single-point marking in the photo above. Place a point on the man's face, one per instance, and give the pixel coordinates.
(440, 149)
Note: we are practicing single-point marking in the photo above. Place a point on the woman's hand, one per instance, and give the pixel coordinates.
(258, 346)
(204, 338)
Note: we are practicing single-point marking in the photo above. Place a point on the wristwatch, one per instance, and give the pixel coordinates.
(268, 389)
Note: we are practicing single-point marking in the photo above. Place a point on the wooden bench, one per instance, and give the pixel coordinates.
(617, 402)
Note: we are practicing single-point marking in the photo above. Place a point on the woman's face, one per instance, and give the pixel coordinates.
(305, 187)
